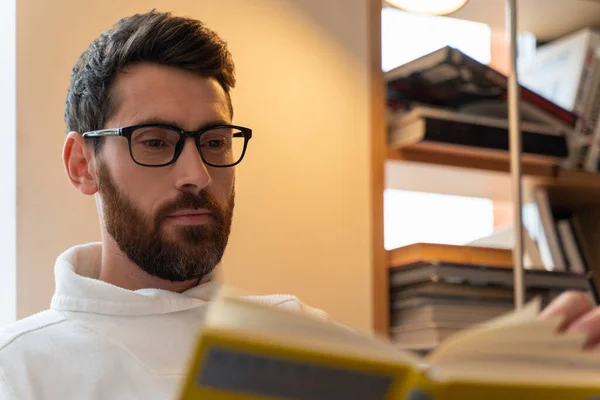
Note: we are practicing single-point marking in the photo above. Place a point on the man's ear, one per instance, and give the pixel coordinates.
(79, 161)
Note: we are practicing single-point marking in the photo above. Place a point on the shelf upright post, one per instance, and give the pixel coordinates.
(515, 153)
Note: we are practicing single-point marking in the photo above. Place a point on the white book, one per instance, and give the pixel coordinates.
(561, 70)
(567, 71)
(533, 224)
(549, 227)
(505, 239)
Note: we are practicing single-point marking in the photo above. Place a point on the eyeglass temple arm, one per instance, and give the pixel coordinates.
(243, 134)
(102, 132)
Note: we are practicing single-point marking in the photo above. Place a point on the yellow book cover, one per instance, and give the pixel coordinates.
(250, 351)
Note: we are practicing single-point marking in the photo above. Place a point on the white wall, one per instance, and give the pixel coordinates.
(302, 222)
(8, 249)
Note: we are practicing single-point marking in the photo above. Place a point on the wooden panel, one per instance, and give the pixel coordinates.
(485, 175)
(427, 252)
(467, 174)
(442, 179)
(573, 190)
(547, 19)
(378, 155)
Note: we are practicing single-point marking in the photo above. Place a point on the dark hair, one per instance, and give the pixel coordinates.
(154, 37)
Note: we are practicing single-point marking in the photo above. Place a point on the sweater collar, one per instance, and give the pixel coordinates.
(79, 289)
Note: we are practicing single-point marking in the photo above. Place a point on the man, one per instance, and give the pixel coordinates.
(150, 136)
(150, 127)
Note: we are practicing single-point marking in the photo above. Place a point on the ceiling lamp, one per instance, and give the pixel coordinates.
(434, 7)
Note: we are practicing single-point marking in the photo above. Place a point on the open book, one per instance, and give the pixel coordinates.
(251, 351)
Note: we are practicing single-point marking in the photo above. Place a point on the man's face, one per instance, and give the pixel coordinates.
(172, 221)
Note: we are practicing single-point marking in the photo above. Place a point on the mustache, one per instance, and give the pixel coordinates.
(188, 200)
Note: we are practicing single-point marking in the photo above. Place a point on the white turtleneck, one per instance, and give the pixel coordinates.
(99, 341)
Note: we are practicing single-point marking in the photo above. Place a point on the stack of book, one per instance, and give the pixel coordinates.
(438, 290)
(448, 101)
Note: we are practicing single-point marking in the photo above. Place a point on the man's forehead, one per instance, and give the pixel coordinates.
(149, 91)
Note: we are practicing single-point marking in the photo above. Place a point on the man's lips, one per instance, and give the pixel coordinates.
(191, 217)
(190, 211)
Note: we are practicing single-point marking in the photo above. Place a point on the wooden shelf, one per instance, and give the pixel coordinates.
(435, 253)
(575, 190)
(486, 175)
(479, 160)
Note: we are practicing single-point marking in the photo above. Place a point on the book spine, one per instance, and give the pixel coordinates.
(584, 89)
(578, 141)
(579, 238)
(574, 258)
(593, 102)
(584, 250)
(547, 218)
(532, 252)
(489, 137)
(533, 225)
(478, 275)
(586, 255)
(591, 158)
(408, 134)
(593, 154)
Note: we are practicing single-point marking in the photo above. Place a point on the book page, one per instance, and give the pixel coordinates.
(239, 315)
(516, 347)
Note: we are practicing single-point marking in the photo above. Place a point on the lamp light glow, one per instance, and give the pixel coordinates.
(433, 7)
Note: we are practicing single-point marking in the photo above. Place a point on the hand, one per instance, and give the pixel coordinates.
(580, 316)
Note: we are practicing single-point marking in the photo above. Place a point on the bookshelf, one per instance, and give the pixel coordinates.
(476, 174)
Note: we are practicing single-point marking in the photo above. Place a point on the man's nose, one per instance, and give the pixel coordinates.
(192, 174)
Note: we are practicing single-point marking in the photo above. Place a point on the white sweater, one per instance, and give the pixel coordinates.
(99, 341)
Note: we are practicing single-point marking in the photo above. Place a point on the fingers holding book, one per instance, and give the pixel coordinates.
(580, 316)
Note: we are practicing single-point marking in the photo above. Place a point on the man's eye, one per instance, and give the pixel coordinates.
(155, 143)
(215, 143)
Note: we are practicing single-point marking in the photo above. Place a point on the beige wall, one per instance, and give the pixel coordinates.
(500, 50)
(302, 222)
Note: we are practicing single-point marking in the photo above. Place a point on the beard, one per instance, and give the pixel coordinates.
(192, 253)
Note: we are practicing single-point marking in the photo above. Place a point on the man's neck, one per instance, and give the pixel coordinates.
(117, 269)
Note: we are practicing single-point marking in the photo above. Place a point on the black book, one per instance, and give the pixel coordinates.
(421, 272)
(431, 126)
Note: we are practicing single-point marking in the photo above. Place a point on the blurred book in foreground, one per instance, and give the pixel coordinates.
(252, 351)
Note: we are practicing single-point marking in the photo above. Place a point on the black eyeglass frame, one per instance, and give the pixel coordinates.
(183, 135)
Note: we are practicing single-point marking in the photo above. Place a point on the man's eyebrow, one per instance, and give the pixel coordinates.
(170, 122)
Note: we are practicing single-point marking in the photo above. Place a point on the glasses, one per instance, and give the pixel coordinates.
(157, 145)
